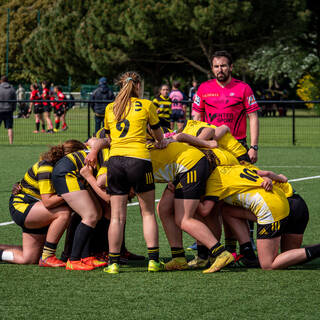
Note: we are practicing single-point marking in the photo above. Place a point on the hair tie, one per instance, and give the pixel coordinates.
(128, 79)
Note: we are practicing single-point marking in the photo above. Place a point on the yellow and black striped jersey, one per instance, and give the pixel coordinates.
(78, 158)
(128, 137)
(163, 106)
(37, 180)
(101, 133)
(227, 142)
(241, 186)
(176, 158)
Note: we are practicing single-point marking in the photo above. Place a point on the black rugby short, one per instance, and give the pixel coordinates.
(126, 172)
(271, 230)
(19, 207)
(298, 216)
(192, 183)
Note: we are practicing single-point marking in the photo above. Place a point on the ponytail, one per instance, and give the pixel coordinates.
(129, 84)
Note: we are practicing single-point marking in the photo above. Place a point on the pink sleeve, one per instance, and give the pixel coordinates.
(249, 100)
(198, 104)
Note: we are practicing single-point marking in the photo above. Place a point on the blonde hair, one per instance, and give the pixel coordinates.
(129, 87)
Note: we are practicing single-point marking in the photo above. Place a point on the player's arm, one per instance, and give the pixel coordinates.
(86, 172)
(272, 175)
(254, 135)
(51, 200)
(196, 115)
(96, 145)
(195, 141)
(220, 132)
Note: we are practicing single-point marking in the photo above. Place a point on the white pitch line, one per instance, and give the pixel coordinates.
(266, 166)
(306, 178)
(157, 200)
(6, 223)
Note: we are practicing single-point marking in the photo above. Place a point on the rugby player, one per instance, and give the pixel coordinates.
(39, 211)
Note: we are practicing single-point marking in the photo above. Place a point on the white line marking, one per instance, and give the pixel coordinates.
(157, 200)
(306, 178)
(266, 166)
(6, 223)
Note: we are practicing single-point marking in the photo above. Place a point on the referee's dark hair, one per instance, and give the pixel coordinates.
(222, 53)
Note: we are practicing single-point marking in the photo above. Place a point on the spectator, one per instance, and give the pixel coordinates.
(46, 105)
(7, 92)
(102, 93)
(178, 109)
(193, 89)
(37, 107)
(163, 104)
(21, 95)
(59, 109)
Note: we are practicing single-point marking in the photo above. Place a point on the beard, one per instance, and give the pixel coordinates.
(223, 77)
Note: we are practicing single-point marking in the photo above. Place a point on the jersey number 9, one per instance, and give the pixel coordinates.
(123, 127)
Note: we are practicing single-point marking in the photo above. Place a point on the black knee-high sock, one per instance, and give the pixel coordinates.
(202, 252)
(153, 253)
(313, 252)
(177, 252)
(247, 251)
(68, 243)
(37, 126)
(99, 239)
(81, 236)
(216, 249)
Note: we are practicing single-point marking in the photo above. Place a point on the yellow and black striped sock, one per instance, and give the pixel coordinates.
(153, 253)
(114, 257)
(216, 249)
(177, 252)
(49, 249)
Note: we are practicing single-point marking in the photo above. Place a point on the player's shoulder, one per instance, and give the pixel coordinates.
(207, 85)
(239, 83)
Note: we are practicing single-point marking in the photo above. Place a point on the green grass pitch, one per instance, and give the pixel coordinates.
(30, 292)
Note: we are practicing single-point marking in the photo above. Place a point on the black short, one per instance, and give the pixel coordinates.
(164, 123)
(59, 112)
(192, 183)
(177, 115)
(47, 108)
(7, 118)
(66, 178)
(19, 207)
(38, 109)
(298, 216)
(126, 172)
(271, 230)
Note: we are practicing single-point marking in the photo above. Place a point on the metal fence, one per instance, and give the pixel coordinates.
(287, 124)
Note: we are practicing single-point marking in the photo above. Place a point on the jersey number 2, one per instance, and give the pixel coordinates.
(123, 127)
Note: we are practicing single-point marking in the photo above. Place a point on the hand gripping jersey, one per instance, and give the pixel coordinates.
(226, 105)
(227, 142)
(128, 137)
(37, 180)
(176, 158)
(241, 186)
